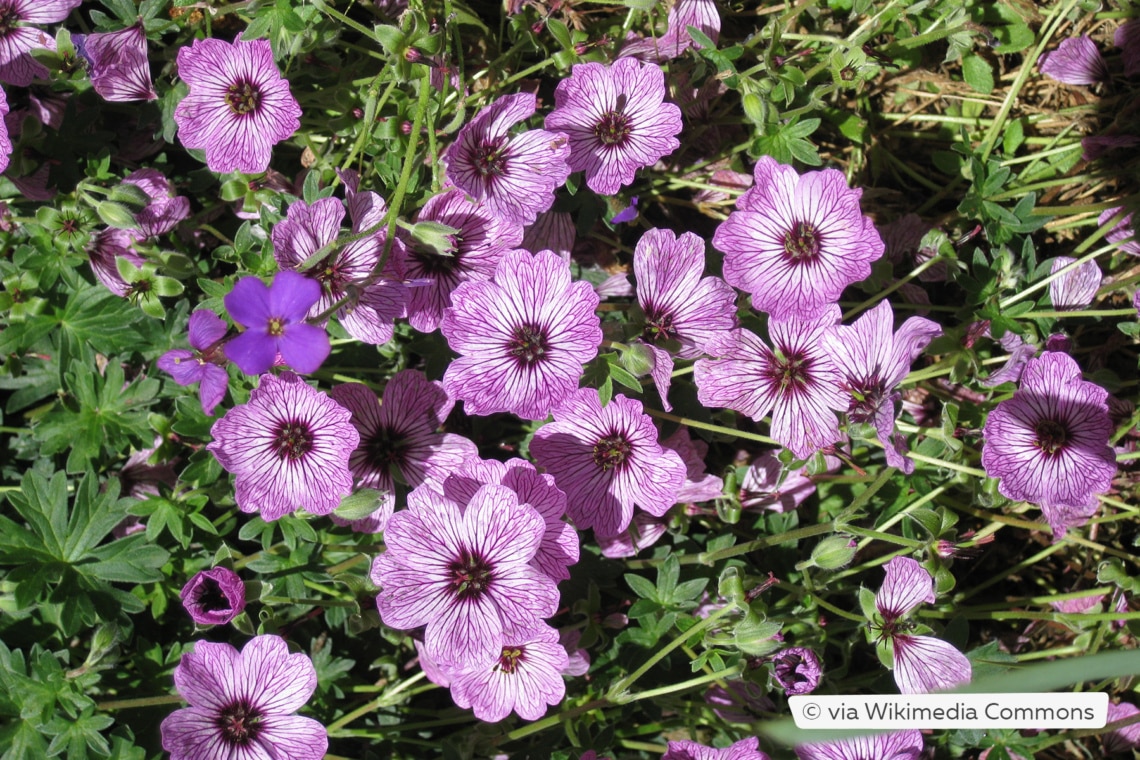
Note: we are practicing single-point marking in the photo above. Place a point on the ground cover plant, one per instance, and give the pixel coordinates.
(563, 378)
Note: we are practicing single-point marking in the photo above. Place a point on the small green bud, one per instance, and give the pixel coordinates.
(637, 358)
(130, 195)
(359, 505)
(116, 215)
(833, 552)
(754, 108)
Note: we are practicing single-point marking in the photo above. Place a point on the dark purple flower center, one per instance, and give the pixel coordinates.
(1051, 436)
(613, 128)
(292, 440)
(240, 722)
(528, 344)
(8, 18)
(790, 373)
(387, 447)
(433, 264)
(659, 325)
(471, 575)
(801, 243)
(243, 98)
(210, 597)
(509, 659)
(330, 277)
(490, 161)
(866, 397)
(612, 451)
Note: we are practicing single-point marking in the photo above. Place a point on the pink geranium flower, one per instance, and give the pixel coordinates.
(214, 597)
(17, 39)
(117, 63)
(239, 105)
(1075, 61)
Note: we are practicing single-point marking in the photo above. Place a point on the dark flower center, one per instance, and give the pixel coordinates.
(613, 128)
(240, 723)
(210, 597)
(612, 451)
(528, 344)
(801, 243)
(8, 18)
(433, 264)
(866, 397)
(69, 225)
(243, 98)
(509, 659)
(490, 161)
(471, 575)
(659, 325)
(790, 373)
(1051, 436)
(386, 447)
(330, 277)
(293, 440)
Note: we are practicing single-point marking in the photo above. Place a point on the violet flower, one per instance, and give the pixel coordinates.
(767, 485)
(274, 320)
(550, 231)
(164, 210)
(797, 670)
(514, 175)
(1075, 61)
(873, 360)
(900, 745)
(117, 63)
(526, 678)
(1049, 443)
(1127, 38)
(400, 433)
(796, 241)
(288, 448)
(5, 141)
(214, 597)
(522, 338)
(797, 381)
(607, 459)
(242, 704)
(1075, 289)
(644, 530)
(465, 574)
(1122, 739)
(701, 14)
(922, 663)
(745, 749)
(239, 105)
(616, 120)
(106, 246)
(1121, 233)
(201, 365)
(17, 67)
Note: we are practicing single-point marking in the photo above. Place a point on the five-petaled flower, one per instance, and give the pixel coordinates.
(274, 318)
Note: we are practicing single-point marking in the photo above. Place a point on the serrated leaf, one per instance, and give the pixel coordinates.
(642, 586)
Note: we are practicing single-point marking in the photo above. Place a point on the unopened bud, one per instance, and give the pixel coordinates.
(833, 552)
(116, 215)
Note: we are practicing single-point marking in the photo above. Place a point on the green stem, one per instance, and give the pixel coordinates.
(880, 536)
(948, 465)
(371, 106)
(310, 602)
(1079, 314)
(893, 286)
(682, 686)
(131, 704)
(554, 720)
(711, 558)
(710, 427)
(618, 691)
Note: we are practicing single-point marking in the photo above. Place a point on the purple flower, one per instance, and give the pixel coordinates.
(1049, 443)
(1075, 61)
(683, 311)
(307, 229)
(107, 246)
(1095, 146)
(165, 209)
(274, 321)
(922, 663)
(522, 338)
(1079, 605)
(739, 701)
(702, 14)
(607, 460)
(1127, 38)
(902, 239)
(400, 433)
(551, 231)
(796, 241)
(1020, 353)
(616, 119)
(5, 141)
(117, 63)
(515, 176)
(644, 531)
(214, 597)
(797, 382)
(900, 745)
(242, 704)
(873, 361)
(480, 242)
(699, 484)
(1121, 232)
(287, 448)
(465, 574)
(1122, 739)
(526, 677)
(1075, 289)
(559, 547)
(578, 659)
(239, 105)
(797, 670)
(16, 40)
(201, 365)
(745, 749)
(767, 485)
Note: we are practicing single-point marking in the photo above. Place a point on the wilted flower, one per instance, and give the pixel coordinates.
(164, 210)
(1075, 61)
(239, 105)
(616, 119)
(5, 141)
(1049, 443)
(214, 597)
(701, 14)
(206, 331)
(1122, 739)
(117, 63)
(1121, 232)
(242, 704)
(797, 670)
(1127, 38)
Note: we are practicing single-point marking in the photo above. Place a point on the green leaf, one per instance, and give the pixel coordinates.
(43, 504)
(978, 74)
(642, 587)
(667, 576)
(100, 318)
